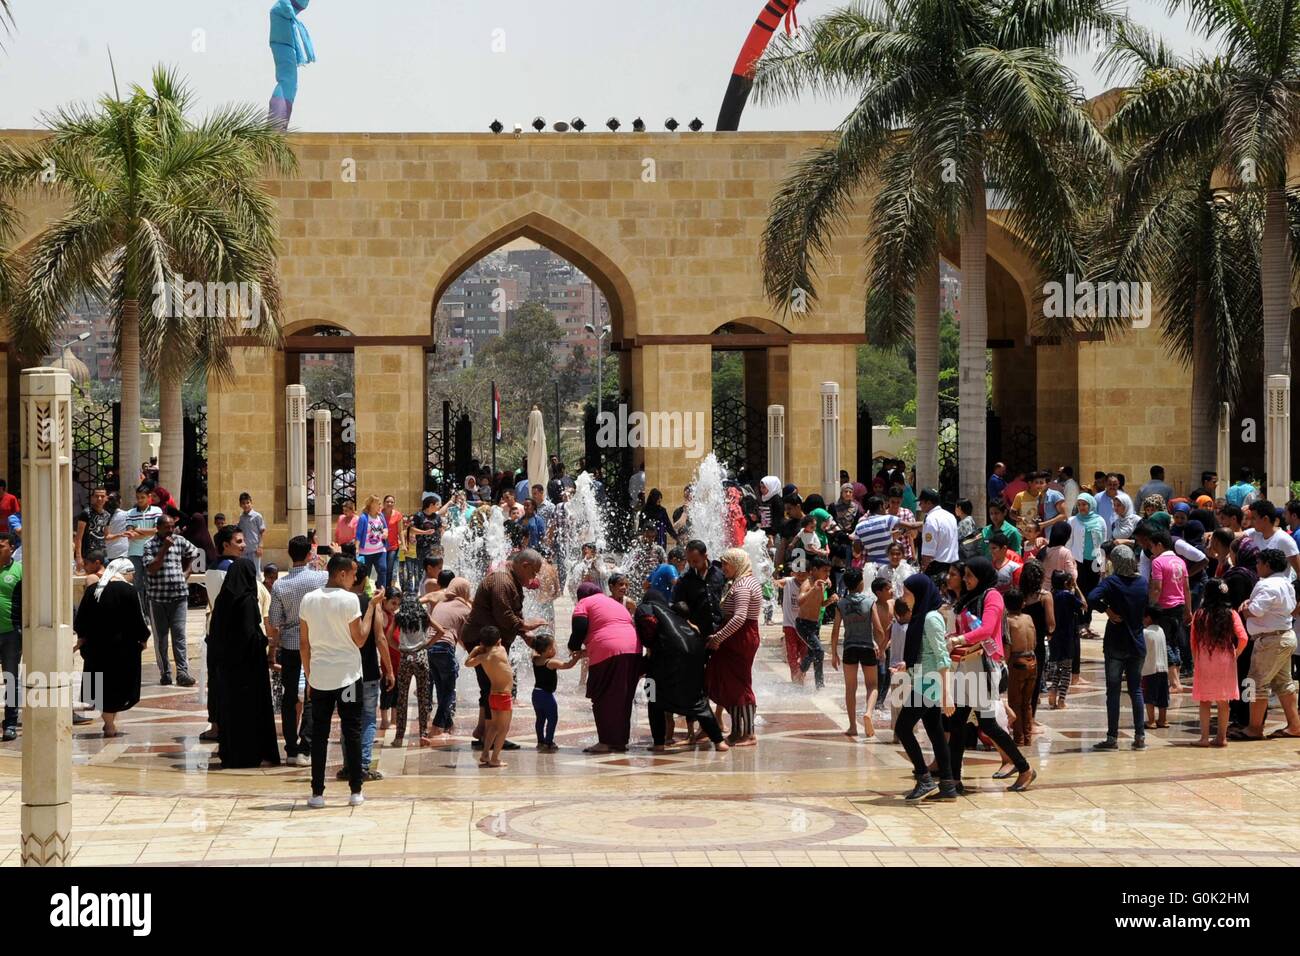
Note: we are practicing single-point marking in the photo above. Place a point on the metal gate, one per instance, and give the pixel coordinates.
(740, 437)
(92, 448)
(342, 471)
(194, 468)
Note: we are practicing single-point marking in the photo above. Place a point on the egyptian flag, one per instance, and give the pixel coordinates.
(496, 412)
(742, 76)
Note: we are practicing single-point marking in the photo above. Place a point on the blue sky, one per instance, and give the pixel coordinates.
(437, 65)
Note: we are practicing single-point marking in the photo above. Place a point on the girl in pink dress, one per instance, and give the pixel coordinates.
(1217, 638)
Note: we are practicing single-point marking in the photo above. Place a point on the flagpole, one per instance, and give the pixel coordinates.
(492, 399)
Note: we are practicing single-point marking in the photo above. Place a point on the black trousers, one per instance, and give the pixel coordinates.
(290, 671)
(349, 702)
(956, 725)
(701, 714)
(905, 733)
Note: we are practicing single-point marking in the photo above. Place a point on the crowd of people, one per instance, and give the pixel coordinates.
(940, 620)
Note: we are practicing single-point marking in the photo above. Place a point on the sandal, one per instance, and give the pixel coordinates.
(1281, 733)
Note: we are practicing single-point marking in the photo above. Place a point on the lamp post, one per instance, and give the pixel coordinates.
(600, 334)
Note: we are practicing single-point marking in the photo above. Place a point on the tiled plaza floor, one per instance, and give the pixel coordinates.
(805, 796)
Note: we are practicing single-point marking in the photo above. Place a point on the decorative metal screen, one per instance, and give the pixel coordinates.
(343, 448)
(92, 446)
(740, 437)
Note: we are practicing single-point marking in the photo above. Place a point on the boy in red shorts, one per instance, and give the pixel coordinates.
(492, 657)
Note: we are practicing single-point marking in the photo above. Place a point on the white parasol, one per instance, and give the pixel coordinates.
(537, 448)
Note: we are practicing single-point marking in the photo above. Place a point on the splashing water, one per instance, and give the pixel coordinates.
(474, 549)
(708, 506)
(584, 523)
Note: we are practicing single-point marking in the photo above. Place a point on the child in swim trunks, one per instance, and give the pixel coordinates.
(492, 657)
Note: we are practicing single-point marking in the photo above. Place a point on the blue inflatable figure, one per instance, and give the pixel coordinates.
(291, 47)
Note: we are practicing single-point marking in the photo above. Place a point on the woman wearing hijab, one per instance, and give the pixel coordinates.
(1241, 578)
(929, 700)
(1122, 597)
(655, 515)
(1087, 532)
(729, 676)
(602, 627)
(979, 652)
(676, 663)
(769, 504)
(111, 634)
(247, 729)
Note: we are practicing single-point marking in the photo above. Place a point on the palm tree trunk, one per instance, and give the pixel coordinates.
(1205, 409)
(128, 450)
(925, 334)
(1275, 286)
(972, 432)
(171, 449)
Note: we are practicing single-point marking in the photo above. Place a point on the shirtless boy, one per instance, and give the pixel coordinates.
(814, 596)
(492, 657)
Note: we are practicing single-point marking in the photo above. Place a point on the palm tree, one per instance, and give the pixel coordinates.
(953, 95)
(1196, 243)
(1239, 111)
(151, 197)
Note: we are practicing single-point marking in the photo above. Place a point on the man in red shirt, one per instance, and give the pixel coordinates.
(8, 505)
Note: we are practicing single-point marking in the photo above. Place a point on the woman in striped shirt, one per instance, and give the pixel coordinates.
(729, 677)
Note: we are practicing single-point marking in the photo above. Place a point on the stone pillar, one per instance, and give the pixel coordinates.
(1223, 445)
(810, 365)
(776, 440)
(324, 477)
(830, 442)
(295, 420)
(46, 439)
(675, 378)
(1277, 445)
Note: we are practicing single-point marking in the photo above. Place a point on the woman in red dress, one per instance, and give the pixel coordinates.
(729, 676)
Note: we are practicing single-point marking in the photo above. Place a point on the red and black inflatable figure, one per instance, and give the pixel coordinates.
(742, 77)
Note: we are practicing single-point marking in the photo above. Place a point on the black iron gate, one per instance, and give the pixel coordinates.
(448, 450)
(194, 467)
(341, 484)
(740, 437)
(93, 447)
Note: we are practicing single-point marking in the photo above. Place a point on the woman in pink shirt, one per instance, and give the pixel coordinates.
(394, 519)
(602, 627)
(1167, 591)
(345, 530)
(978, 653)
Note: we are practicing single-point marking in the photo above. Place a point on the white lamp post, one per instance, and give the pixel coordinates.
(830, 441)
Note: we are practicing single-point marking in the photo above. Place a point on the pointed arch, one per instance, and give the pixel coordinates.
(591, 245)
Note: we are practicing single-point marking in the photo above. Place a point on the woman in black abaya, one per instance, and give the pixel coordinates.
(247, 729)
(111, 634)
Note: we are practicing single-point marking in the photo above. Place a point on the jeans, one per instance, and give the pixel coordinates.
(290, 668)
(548, 714)
(412, 571)
(444, 669)
(11, 653)
(1127, 669)
(391, 569)
(814, 656)
(378, 561)
(956, 727)
(169, 616)
(349, 702)
(931, 717)
(369, 711)
(137, 562)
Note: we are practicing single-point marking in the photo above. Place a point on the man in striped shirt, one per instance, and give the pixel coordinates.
(875, 530)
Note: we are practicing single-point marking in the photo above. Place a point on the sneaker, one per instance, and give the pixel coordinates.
(185, 680)
(11, 733)
(300, 760)
(316, 802)
(1140, 743)
(925, 786)
(80, 719)
(1110, 743)
(947, 792)
(356, 800)
(165, 681)
(371, 775)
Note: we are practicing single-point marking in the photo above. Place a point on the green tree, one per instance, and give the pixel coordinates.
(1239, 114)
(954, 97)
(151, 197)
